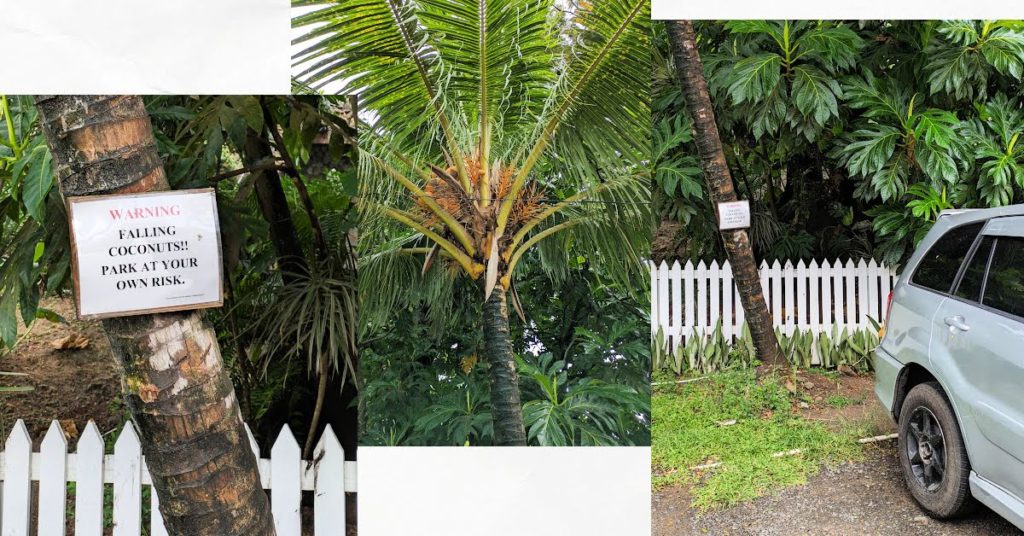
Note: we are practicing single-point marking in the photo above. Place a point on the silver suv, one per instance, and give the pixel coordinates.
(950, 368)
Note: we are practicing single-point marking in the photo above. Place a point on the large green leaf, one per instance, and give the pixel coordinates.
(816, 94)
(37, 181)
(755, 77)
(871, 149)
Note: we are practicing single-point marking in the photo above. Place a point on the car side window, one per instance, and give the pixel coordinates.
(939, 267)
(970, 284)
(1004, 289)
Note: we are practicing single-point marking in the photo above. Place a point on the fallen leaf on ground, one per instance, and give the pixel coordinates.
(70, 429)
(74, 341)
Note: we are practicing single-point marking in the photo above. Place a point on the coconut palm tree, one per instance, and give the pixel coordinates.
(718, 178)
(195, 444)
(497, 130)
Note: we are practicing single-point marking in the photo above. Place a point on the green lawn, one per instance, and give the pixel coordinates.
(686, 432)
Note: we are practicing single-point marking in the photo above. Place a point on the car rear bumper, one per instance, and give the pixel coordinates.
(887, 371)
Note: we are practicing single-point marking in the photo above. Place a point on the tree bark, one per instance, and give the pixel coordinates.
(172, 375)
(506, 407)
(274, 208)
(719, 183)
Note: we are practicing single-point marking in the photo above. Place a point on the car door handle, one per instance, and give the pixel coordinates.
(957, 322)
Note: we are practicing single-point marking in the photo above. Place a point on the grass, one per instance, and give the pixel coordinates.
(686, 432)
(841, 401)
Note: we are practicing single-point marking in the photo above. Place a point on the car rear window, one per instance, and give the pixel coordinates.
(939, 266)
(1004, 289)
(970, 284)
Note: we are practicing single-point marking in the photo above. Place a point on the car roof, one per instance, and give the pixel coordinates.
(964, 215)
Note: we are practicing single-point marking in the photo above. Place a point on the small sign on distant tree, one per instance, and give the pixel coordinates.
(145, 253)
(733, 215)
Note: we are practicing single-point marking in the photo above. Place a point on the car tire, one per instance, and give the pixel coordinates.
(932, 453)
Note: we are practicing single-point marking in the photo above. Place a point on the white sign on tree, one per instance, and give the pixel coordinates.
(145, 253)
(733, 215)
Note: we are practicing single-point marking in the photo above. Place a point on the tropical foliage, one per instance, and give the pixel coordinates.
(302, 147)
(499, 134)
(584, 360)
(847, 138)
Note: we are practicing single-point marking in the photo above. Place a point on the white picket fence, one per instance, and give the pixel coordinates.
(90, 469)
(810, 296)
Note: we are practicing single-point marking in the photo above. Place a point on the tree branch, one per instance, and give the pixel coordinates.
(266, 166)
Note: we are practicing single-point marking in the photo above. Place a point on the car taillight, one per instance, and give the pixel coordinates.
(888, 311)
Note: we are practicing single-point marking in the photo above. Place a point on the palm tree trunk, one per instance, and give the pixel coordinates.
(274, 208)
(174, 381)
(506, 408)
(690, 71)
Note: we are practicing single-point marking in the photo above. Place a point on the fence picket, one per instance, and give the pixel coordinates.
(850, 276)
(714, 285)
(286, 482)
(662, 290)
(802, 319)
(17, 500)
(127, 483)
(656, 321)
(676, 320)
(837, 294)
(700, 276)
(53, 480)
(776, 285)
(89, 483)
(688, 302)
(728, 291)
(789, 298)
(814, 284)
(863, 302)
(156, 519)
(873, 278)
(329, 497)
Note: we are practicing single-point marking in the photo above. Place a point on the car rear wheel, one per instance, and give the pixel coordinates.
(932, 453)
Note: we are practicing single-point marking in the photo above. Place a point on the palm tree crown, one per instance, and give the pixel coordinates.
(492, 125)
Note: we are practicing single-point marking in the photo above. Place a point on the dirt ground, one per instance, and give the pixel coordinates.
(71, 386)
(839, 399)
(864, 498)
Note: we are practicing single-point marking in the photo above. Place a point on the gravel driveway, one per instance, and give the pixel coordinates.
(865, 498)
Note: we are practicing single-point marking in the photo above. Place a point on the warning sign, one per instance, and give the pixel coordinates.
(145, 253)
